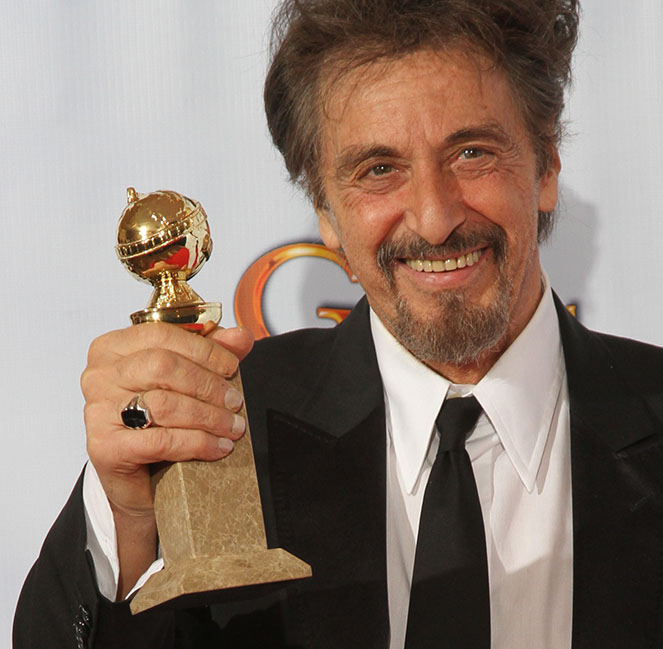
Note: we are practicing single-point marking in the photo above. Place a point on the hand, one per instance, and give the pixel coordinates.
(184, 381)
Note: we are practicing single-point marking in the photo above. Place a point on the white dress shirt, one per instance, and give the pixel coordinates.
(521, 460)
(520, 453)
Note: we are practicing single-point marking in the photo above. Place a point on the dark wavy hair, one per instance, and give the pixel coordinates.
(532, 41)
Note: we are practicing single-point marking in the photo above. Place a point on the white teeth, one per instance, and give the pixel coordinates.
(439, 266)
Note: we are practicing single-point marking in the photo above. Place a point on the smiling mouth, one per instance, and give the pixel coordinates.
(446, 265)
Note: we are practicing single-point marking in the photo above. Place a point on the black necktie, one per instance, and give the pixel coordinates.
(449, 600)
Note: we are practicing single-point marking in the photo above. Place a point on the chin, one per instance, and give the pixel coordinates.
(454, 330)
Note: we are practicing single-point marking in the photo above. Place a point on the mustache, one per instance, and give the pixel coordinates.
(458, 242)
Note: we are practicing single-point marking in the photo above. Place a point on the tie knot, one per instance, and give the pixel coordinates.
(456, 419)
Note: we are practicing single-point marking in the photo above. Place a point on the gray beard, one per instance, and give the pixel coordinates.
(456, 332)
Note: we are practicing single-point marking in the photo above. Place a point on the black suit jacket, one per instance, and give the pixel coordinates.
(317, 421)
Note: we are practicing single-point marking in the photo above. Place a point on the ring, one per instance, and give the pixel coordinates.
(135, 414)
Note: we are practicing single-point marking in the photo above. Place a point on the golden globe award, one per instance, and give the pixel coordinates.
(164, 239)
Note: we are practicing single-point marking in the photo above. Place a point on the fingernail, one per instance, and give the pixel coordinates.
(233, 399)
(239, 425)
(226, 444)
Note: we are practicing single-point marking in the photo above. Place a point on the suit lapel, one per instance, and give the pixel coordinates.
(616, 455)
(327, 467)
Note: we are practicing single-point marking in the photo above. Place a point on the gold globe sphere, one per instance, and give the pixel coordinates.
(163, 238)
(163, 230)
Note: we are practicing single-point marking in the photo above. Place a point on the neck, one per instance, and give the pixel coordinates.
(470, 373)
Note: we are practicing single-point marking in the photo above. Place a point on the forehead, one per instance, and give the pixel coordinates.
(429, 93)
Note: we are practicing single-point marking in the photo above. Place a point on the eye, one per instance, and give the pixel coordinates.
(381, 170)
(472, 153)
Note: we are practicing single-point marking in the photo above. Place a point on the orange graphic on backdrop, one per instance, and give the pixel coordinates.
(248, 296)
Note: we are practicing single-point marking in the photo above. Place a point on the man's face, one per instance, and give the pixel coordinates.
(433, 194)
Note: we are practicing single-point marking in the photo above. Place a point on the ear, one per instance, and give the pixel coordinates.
(328, 228)
(548, 184)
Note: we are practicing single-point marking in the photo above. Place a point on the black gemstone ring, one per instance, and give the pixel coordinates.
(135, 414)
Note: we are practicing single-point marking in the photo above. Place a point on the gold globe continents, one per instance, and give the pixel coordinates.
(163, 238)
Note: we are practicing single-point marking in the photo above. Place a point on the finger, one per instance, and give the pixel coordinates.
(161, 336)
(123, 450)
(237, 340)
(160, 369)
(178, 445)
(171, 410)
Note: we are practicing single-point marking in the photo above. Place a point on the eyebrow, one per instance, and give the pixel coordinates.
(488, 131)
(351, 157)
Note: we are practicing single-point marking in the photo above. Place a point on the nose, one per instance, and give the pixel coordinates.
(434, 208)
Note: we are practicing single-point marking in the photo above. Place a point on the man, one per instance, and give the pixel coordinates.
(426, 134)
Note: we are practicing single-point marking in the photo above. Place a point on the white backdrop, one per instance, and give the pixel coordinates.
(98, 96)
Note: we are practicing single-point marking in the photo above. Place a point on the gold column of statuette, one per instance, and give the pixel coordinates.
(208, 514)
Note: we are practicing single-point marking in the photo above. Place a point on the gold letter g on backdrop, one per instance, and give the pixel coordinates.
(248, 296)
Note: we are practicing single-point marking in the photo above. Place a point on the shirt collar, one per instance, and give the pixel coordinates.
(518, 396)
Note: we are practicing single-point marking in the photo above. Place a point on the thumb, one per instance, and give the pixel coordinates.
(238, 340)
